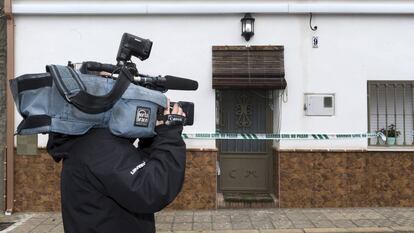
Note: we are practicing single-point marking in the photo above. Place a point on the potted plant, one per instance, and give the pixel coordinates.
(391, 133)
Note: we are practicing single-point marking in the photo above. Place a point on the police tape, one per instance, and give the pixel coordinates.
(272, 136)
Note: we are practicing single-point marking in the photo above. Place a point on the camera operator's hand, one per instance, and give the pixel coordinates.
(176, 110)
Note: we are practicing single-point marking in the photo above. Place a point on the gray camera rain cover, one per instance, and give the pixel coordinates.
(45, 109)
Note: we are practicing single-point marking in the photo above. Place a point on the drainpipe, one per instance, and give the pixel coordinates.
(211, 7)
(10, 109)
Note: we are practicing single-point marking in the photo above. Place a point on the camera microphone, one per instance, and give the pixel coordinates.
(168, 82)
(176, 83)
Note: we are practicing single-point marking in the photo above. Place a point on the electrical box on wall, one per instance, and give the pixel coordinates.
(319, 104)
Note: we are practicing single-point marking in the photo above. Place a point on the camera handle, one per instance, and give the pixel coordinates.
(80, 98)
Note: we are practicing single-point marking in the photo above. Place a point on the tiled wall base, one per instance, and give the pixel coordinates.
(307, 179)
(200, 186)
(346, 179)
(37, 182)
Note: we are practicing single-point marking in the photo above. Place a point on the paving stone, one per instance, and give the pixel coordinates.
(297, 216)
(282, 224)
(236, 231)
(184, 218)
(336, 216)
(165, 213)
(403, 229)
(262, 225)
(202, 218)
(58, 229)
(42, 215)
(203, 213)
(52, 221)
(326, 230)
(225, 211)
(316, 217)
(335, 220)
(364, 223)
(343, 223)
(282, 231)
(24, 228)
(34, 222)
(221, 218)
(323, 224)
(279, 217)
(42, 229)
(303, 224)
(370, 230)
(363, 216)
(246, 225)
(222, 226)
(259, 217)
(19, 230)
(163, 226)
(184, 213)
(240, 218)
(182, 226)
(383, 222)
(164, 218)
(202, 226)
(408, 214)
(405, 222)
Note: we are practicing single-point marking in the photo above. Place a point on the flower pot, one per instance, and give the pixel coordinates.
(391, 141)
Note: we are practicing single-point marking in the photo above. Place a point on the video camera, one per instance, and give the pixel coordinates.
(134, 46)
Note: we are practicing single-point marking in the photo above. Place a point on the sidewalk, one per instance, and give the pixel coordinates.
(245, 221)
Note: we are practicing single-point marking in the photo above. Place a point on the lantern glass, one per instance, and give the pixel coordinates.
(248, 26)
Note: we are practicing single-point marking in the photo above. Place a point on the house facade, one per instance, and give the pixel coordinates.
(341, 82)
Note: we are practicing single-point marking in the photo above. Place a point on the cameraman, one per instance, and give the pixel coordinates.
(109, 186)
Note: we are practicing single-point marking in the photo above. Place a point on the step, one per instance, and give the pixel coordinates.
(246, 201)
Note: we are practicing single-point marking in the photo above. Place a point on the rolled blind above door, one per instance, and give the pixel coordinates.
(236, 67)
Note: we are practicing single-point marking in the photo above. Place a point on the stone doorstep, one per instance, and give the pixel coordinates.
(313, 230)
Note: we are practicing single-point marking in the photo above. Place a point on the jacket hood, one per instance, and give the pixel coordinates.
(59, 145)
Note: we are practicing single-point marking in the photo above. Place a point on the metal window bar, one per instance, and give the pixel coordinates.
(395, 105)
(377, 88)
(403, 98)
(386, 107)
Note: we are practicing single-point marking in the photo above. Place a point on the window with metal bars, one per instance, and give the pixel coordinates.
(391, 102)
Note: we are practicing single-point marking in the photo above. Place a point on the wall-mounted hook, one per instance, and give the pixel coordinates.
(313, 28)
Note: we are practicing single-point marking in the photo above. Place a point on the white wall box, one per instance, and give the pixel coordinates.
(319, 104)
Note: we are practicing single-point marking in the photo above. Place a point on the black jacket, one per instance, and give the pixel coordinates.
(109, 186)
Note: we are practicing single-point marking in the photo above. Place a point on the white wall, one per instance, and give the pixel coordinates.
(352, 50)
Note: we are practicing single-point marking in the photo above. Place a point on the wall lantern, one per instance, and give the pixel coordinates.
(247, 26)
